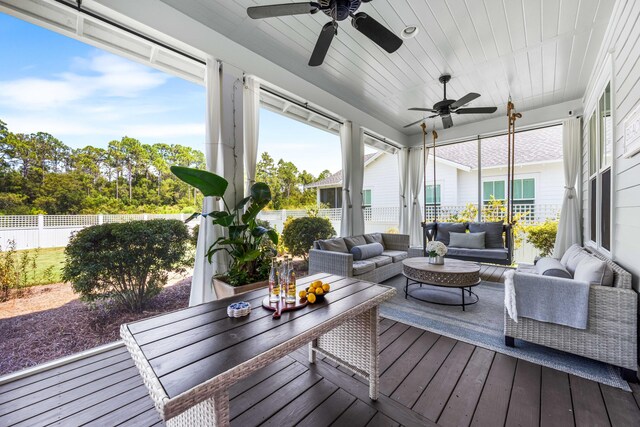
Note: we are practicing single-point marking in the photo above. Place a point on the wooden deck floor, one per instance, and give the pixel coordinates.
(425, 378)
(493, 273)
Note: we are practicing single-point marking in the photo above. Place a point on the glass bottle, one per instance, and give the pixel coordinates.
(291, 284)
(274, 286)
(284, 276)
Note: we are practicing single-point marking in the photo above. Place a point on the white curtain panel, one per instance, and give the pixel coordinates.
(345, 144)
(357, 179)
(403, 169)
(203, 271)
(416, 176)
(251, 105)
(569, 224)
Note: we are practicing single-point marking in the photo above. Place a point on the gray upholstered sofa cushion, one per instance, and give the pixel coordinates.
(361, 267)
(570, 253)
(333, 245)
(444, 228)
(574, 259)
(479, 253)
(467, 240)
(366, 251)
(493, 237)
(380, 260)
(396, 256)
(551, 267)
(374, 238)
(354, 241)
(594, 271)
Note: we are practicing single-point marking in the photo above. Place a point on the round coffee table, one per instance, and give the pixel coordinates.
(453, 274)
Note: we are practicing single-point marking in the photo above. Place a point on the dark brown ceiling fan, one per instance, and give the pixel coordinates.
(445, 107)
(337, 10)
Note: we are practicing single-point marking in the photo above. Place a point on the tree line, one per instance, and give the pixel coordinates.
(40, 174)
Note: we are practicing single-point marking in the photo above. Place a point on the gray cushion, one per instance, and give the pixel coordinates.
(573, 261)
(608, 278)
(493, 236)
(397, 256)
(551, 267)
(570, 253)
(374, 238)
(361, 267)
(366, 251)
(444, 228)
(590, 270)
(380, 260)
(467, 240)
(333, 245)
(354, 241)
(488, 254)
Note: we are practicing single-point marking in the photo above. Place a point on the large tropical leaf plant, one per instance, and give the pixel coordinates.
(243, 239)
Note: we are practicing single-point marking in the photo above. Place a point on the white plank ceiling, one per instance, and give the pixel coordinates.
(541, 52)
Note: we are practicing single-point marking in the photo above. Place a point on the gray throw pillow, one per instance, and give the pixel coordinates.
(444, 228)
(570, 253)
(333, 245)
(572, 262)
(467, 240)
(551, 267)
(354, 241)
(366, 251)
(590, 270)
(493, 237)
(374, 238)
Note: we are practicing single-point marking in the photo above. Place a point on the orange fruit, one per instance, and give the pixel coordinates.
(302, 294)
(319, 291)
(311, 298)
(326, 287)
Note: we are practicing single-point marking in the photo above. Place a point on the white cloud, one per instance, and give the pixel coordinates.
(101, 75)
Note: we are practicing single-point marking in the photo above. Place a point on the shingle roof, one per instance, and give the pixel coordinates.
(336, 178)
(541, 145)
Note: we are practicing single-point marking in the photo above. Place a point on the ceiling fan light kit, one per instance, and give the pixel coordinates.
(446, 107)
(337, 10)
(409, 32)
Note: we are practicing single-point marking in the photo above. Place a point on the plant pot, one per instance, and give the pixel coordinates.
(225, 290)
(436, 260)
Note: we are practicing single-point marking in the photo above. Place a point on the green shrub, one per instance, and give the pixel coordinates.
(128, 262)
(543, 236)
(19, 270)
(298, 234)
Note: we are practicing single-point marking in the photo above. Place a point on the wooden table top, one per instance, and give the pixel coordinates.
(188, 347)
(449, 266)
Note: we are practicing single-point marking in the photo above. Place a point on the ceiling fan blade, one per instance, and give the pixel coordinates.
(435, 115)
(376, 32)
(414, 123)
(322, 45)
(477, 110)
(273, 10)
(465, 100)
(423, 109)
(447, 122)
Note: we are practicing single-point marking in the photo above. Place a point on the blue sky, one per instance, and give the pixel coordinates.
(86, 96)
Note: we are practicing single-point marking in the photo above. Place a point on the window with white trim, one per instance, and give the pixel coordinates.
(366, 198)
(600, 160)
(429, 194)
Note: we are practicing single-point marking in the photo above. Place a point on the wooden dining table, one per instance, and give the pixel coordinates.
(189, 358)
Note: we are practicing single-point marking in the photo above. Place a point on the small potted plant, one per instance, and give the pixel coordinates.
(436, 252)
(244, 236)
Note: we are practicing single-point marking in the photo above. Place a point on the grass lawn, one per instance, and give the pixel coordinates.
(46, 258)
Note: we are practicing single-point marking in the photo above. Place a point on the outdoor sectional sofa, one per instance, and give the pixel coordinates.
(372, 262)
(611, 333)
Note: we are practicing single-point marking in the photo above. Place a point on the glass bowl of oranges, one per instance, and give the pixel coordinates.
(315, 292)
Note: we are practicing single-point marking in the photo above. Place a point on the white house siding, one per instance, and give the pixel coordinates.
(381, 176)
(623, 40)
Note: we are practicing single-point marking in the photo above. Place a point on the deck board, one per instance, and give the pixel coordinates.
(425, 378)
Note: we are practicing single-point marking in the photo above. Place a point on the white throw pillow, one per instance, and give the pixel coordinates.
(590, 270)
(570, 253)
(573, 261)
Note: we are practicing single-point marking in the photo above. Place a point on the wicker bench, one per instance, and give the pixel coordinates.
(611, 334)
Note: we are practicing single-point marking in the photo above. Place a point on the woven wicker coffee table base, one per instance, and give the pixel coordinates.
(453, 274)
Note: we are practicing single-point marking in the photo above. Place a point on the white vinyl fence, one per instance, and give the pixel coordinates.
(52, 231)
(385, 219)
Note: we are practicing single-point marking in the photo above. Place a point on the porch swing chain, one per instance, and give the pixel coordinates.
(511, 141)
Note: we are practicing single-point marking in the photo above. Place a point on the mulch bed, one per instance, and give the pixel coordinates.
(34, 338)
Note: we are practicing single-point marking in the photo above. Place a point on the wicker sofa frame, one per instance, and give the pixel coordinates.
(342, 264)
(430, 231)
(611, 334)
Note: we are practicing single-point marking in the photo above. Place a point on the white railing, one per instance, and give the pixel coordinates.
(51, 231)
